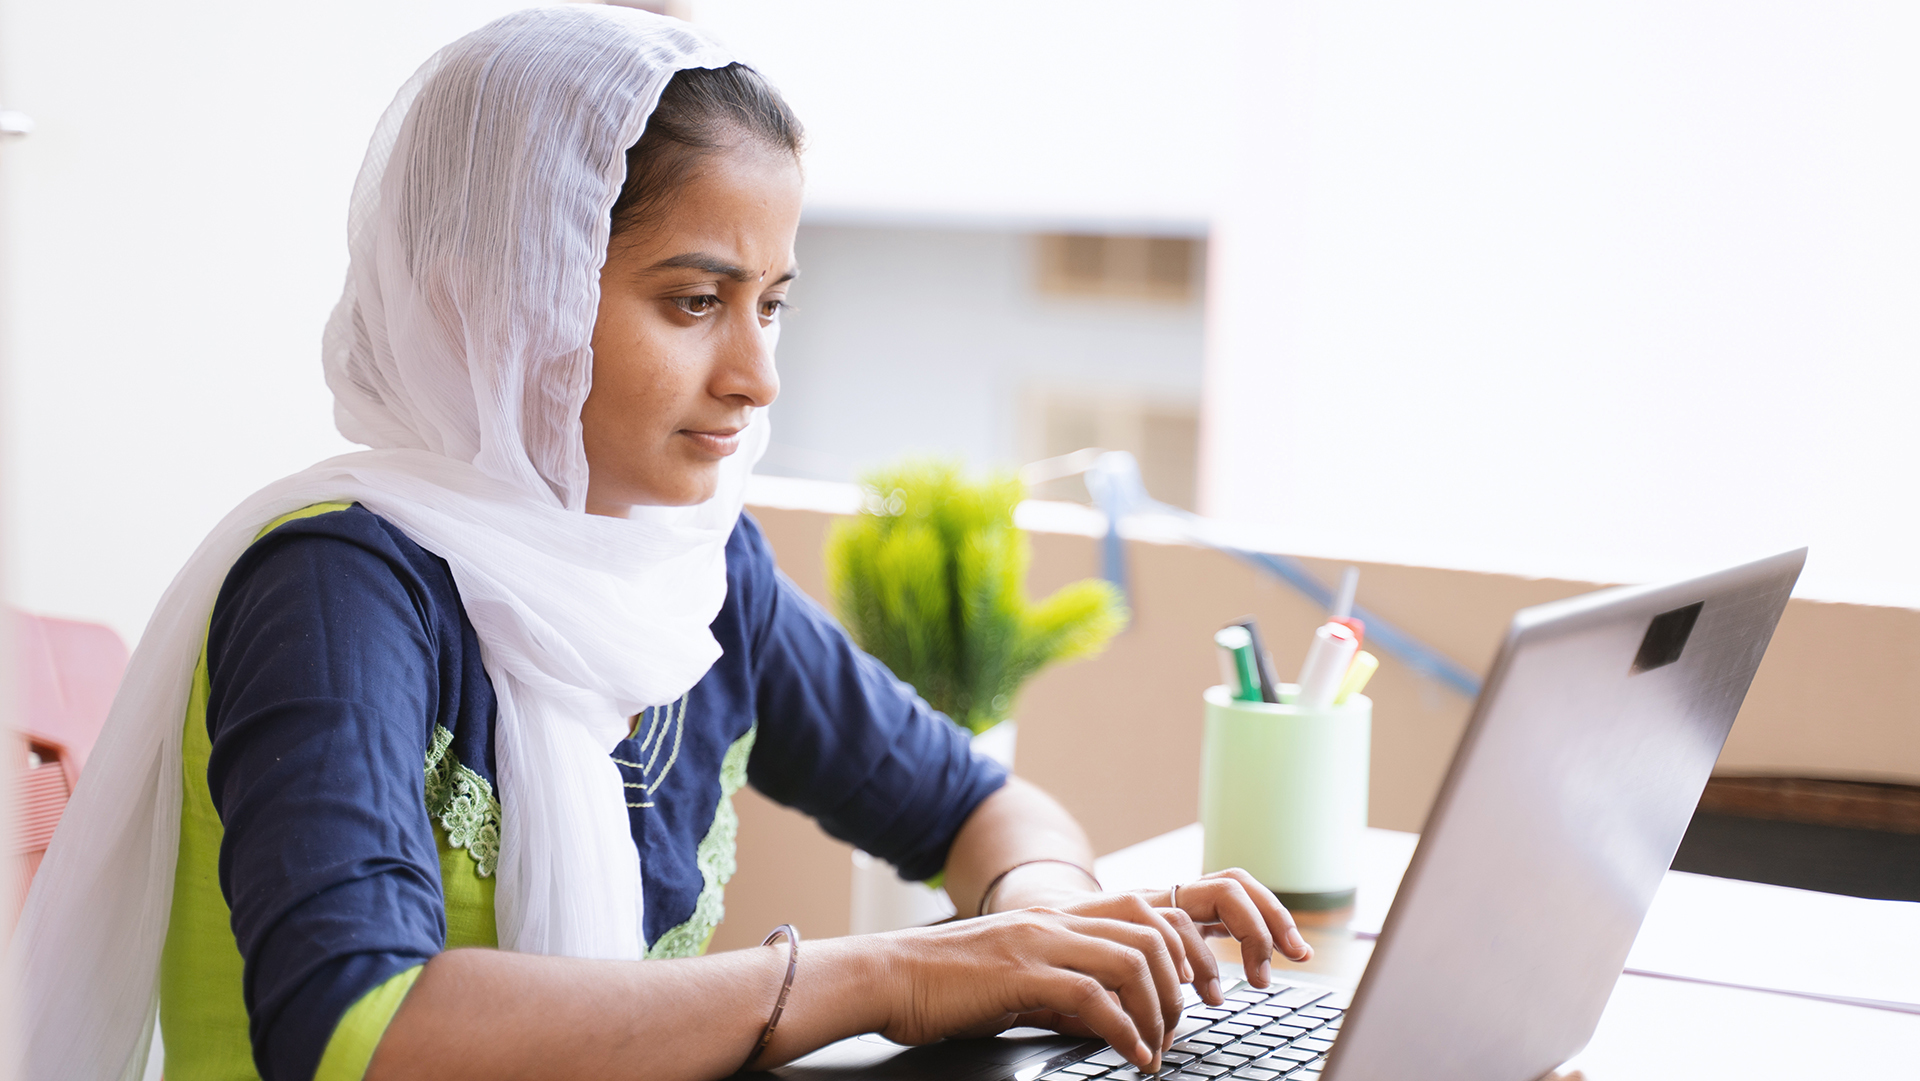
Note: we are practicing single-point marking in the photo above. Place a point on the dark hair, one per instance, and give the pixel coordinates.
(702, 110)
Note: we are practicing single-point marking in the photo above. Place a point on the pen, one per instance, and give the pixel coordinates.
(1229, 668)
(1263, 662)
(1327, 660)
(1343, 600)
(1358, 673)
(1237, 644)
(1342, 610)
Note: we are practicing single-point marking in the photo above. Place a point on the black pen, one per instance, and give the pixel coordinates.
(1269, 686)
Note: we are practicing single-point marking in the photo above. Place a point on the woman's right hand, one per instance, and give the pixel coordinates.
(1075, 974)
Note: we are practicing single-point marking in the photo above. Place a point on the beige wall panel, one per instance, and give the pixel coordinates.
(789, 872)
(1838, 696)
(1117, 738)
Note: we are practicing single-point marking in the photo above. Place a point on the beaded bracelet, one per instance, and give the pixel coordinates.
(786, 986)
(987, 894)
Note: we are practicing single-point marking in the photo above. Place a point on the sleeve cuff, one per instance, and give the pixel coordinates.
(350, 1049)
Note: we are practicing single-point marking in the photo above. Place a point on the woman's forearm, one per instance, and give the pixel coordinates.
(478, 1014)
(1019, 822)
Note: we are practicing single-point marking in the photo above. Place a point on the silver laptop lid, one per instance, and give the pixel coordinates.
(1566, 800)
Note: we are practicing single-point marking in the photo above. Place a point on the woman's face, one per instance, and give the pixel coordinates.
(680, 354)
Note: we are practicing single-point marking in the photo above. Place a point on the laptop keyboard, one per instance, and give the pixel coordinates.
(1255, 1036)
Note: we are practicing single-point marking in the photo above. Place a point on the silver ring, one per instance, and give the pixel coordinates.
(1173, 896)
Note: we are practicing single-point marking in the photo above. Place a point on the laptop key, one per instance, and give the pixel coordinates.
(1251, 1050)
(1079, 1069)
(1297, 997)
(1231, 1029)
(1319, 1045)
(1327, 1012)
(1108, 1057)
(1211, 1037)
(1261, 1039)
(1190, 1048)
(1204, 1069)
(1224, 1059)
(1294, 1054)
(1255, 1073)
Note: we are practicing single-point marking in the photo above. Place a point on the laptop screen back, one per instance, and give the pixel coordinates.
(1565, 803)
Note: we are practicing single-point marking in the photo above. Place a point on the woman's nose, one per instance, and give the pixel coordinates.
(745, 369)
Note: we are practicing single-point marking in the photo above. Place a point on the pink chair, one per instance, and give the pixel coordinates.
(67, 674)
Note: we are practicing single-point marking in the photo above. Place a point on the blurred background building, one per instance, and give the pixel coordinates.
(1500, 299)
(1601, 292)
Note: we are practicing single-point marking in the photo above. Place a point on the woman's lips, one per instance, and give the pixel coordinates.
(719, 442)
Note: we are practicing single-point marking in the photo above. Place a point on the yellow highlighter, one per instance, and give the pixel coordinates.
(1358, 673)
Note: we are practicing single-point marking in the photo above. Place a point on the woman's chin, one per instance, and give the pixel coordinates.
(688, 488)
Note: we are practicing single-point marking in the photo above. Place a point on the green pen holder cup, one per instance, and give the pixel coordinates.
(1283, 794)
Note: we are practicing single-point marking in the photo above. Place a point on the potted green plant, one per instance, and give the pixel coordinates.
(930, 577)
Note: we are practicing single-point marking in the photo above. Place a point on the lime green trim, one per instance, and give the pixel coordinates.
(462, 803)
(466, 830)
(201, 1008)
(354, 1039)
(715, 858)
(313, 511)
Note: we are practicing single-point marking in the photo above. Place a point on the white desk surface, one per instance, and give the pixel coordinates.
(1668, 1018)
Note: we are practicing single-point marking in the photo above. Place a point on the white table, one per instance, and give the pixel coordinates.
(1670, 1016)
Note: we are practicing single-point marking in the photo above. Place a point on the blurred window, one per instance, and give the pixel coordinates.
(1162, 433)
(1132, 267)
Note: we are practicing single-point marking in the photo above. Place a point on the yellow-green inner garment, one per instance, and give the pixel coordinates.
(203, 1017)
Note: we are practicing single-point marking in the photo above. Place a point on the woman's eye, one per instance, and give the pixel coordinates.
(771, 309)
(697, 305)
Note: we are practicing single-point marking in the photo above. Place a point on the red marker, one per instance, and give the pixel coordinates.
(1358, 627)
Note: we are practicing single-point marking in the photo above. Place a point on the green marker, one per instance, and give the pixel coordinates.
(1236, 656)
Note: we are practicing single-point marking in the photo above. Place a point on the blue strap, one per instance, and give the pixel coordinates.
(1114, 482)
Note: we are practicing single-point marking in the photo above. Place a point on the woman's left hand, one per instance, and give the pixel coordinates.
(1230, 903)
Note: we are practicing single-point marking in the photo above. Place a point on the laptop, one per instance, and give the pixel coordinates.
(1580, 768)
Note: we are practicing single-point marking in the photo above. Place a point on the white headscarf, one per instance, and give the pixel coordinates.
(460, 353)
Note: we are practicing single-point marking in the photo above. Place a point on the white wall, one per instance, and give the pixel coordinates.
(1604, 291)
(1616, 290)
(1097, 113)
(175, 238)
(176, 226)
(924, 340)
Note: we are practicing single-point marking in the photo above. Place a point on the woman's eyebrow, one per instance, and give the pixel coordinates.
(713, 264)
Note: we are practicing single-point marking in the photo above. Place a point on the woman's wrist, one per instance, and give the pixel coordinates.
(841, 988)
(1041, 884)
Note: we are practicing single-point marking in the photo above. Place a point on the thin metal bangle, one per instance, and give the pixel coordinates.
(987, 895)
(786, 986)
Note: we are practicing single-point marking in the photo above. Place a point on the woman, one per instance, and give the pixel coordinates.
(570, 244)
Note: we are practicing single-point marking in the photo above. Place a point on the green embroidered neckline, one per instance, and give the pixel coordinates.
(715, 858)
(464, 804)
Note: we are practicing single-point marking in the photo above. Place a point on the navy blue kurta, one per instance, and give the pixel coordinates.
(339, 658)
